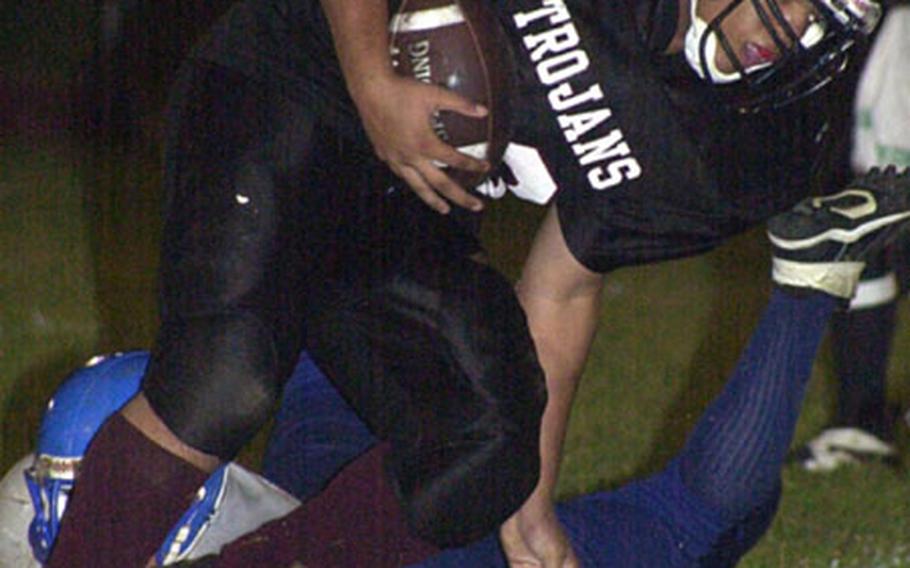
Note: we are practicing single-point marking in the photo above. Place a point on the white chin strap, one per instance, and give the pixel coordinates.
(697, 30)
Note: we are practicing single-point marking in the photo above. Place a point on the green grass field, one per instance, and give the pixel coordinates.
(78, 228)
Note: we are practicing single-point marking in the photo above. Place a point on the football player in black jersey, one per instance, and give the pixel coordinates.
(654, 129)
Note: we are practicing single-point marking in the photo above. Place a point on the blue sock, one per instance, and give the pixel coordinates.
(732, 460)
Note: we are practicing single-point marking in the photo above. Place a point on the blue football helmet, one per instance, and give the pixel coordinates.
(74, 414)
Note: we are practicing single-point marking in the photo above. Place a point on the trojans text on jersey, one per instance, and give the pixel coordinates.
(551, 43)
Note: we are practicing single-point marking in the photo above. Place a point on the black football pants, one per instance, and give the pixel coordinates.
(281, 235)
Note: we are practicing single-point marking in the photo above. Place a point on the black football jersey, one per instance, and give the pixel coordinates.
(645, 161)
(642, 159)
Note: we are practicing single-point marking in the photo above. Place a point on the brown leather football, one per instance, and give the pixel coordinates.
(460, 45)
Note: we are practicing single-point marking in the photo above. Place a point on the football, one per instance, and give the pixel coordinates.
(459, 45)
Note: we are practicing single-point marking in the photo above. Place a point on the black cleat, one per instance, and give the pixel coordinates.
(823, 242)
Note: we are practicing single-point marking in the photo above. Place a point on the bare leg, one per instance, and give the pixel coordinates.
(139, 413)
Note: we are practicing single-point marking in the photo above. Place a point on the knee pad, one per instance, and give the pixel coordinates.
(453, 494)
(214, 380)
(439, 361)
(461, 483)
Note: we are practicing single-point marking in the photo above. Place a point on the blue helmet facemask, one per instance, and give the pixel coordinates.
(74, 414)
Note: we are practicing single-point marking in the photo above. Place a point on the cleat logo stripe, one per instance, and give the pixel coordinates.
(855, 212)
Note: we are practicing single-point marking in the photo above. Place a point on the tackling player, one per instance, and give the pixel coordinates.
(283, 230)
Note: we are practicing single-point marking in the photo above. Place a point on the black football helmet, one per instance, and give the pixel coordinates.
(805, 63)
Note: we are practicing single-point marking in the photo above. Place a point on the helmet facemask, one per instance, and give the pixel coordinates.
(804, 64)
(78, 408)
(49, 480)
